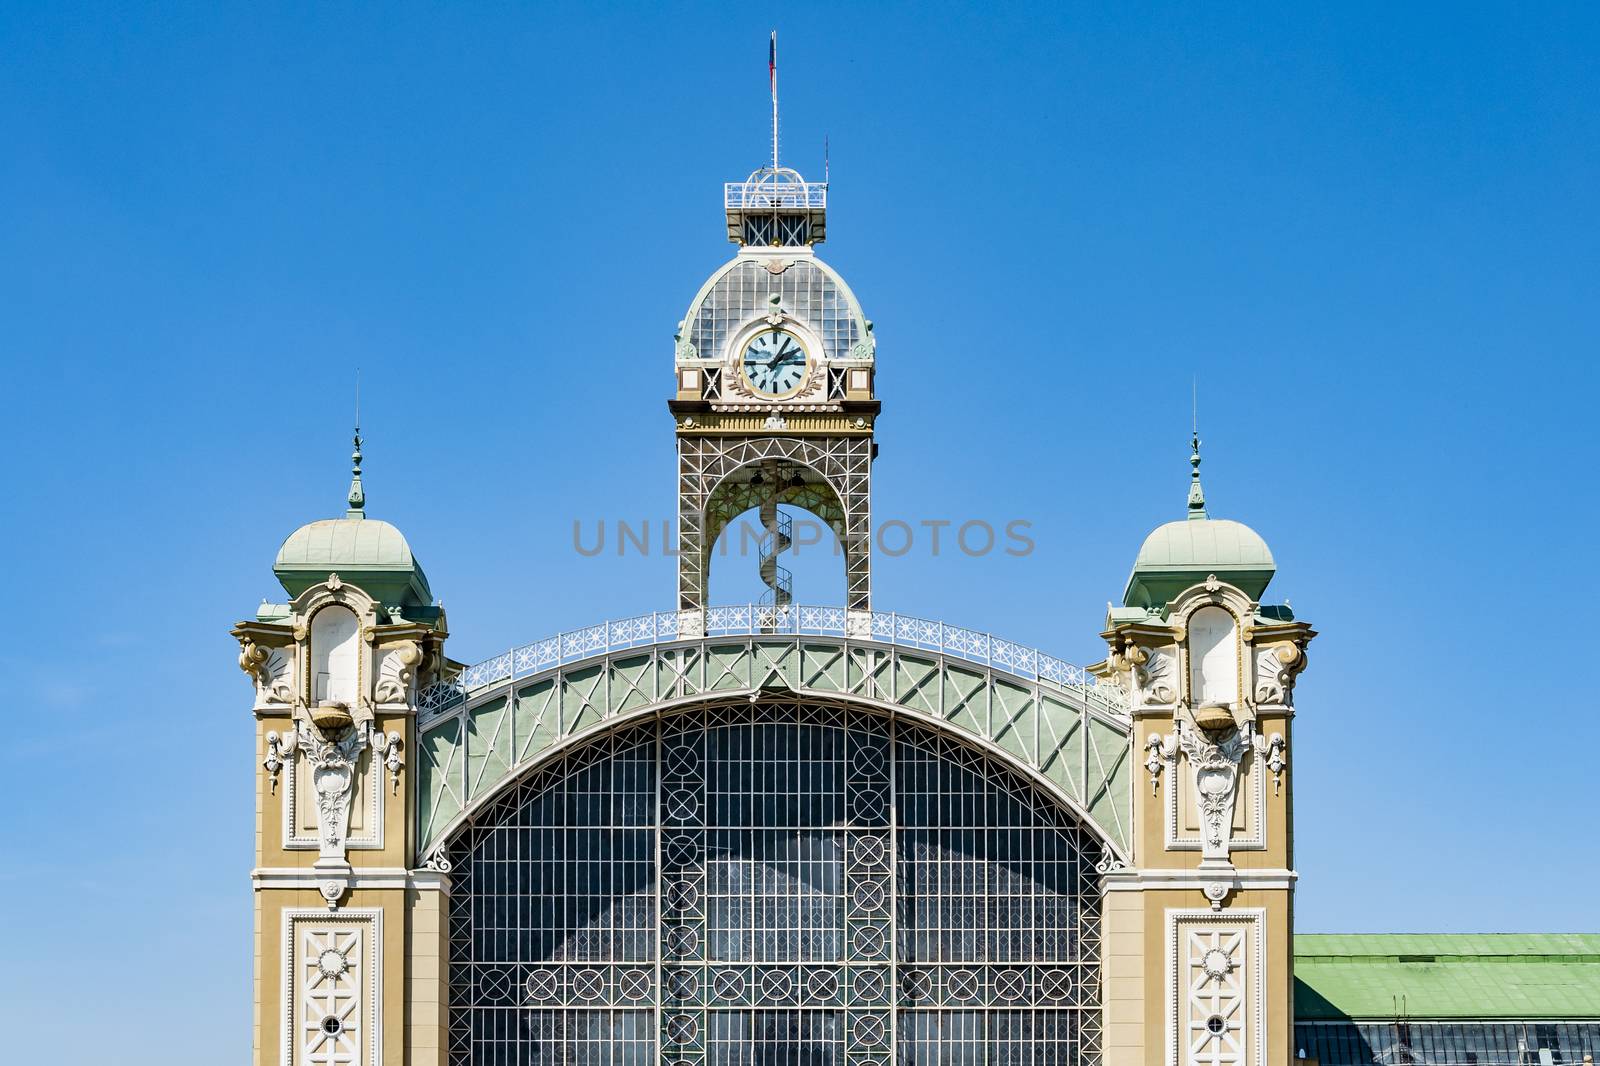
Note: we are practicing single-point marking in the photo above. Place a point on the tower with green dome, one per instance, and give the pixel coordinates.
(346, 915)
(1203, 911)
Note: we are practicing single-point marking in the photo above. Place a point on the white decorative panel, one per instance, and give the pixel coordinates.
(332, 988)
(1216, 1007)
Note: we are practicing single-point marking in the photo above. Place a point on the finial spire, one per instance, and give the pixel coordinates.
(1197, 495)
(357, 498)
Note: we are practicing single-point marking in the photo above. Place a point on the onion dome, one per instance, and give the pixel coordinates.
(366, 552)
(1183, 553)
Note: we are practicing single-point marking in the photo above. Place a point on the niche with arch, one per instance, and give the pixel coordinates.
(1213, 658)
(335, 658)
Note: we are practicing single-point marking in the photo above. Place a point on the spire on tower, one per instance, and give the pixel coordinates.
(1197, 495)
(357, 498)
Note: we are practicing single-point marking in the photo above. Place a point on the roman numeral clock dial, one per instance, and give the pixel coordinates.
(775, 363)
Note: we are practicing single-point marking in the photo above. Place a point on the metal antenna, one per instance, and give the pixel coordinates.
(824, 159)
(772, 75)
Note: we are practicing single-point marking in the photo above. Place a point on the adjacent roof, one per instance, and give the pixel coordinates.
(1446, 976)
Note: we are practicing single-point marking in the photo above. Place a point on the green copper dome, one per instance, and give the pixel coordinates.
(362, 551)
(1183, 553)
(1180, 554)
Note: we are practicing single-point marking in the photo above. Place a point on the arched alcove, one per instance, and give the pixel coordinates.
(335, 663)
(1213, 657)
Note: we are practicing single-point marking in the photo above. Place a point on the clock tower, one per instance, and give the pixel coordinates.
(774, 401)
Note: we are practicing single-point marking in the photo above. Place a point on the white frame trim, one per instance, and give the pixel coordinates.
(1255, 920)
(372, 917)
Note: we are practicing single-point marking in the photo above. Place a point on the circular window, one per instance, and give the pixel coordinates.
(332, 1026)
(1215, 1025)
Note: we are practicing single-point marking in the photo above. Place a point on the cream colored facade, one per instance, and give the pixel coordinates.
(349, 927)
(351, 955)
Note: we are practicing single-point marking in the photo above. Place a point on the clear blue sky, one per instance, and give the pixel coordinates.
(1370, 232)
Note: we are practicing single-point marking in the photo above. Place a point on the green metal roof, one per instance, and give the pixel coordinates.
(346, 542)
(1180, 553)
(1483, 976)
(371, 552)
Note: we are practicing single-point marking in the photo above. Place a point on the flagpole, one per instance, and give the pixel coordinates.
(773, 70)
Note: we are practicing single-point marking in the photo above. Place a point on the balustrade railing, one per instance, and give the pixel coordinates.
(660, 627)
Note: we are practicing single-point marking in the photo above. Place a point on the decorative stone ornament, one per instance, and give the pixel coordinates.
(272, 671)
(1215, 768)
(1273, 748)
(333, 766)
(1278, 662)
(1217, 892)
(392, 761)
(1160, 751)
(279, 749)
(397, 671)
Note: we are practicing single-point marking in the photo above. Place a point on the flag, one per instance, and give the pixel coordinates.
(772, 62)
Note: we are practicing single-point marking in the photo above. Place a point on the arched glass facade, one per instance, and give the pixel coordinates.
(776, 883)
(806, 290)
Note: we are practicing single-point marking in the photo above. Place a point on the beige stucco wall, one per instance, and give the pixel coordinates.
(414, 994)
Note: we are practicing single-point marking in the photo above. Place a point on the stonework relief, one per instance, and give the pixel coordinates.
(334, 792)
(397, 671)
(1216, 1013)
(332, 978)
(1276, 665)
(1155, 673)
(1213, 771)
(271, 670)
(1201, 802)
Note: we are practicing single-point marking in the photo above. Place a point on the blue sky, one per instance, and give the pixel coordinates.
(1370, 232)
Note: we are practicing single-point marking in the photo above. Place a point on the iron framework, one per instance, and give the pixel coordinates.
(792, 881)
(705, 462)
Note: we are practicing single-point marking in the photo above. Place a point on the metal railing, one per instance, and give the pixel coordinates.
(769, 194)
(884, 627)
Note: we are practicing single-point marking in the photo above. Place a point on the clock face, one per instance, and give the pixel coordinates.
(775, 362)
